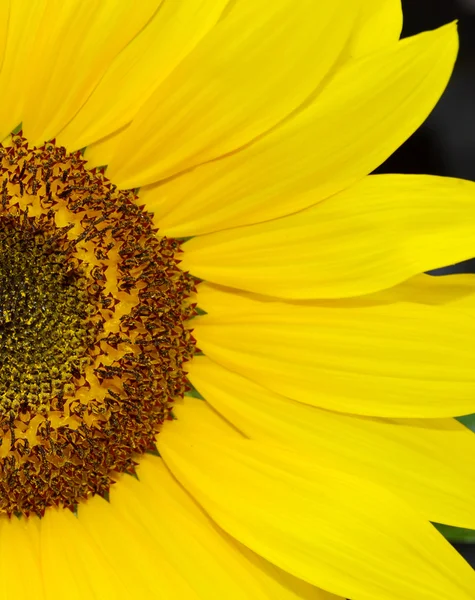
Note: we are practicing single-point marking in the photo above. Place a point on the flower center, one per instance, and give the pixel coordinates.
(93, 329)
(43, 314)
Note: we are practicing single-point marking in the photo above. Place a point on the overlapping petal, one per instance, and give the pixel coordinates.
(426, 462)
(4, 22)
(74, 45)
(169, 36)
(197, 547)
(379, 24)
(371, 236)
(79, 570)
(173, 31)
(245, 76)
(363, 114)
(388, 358)
(340, 532)
(22, 22)
(151, 527)
(20, 563)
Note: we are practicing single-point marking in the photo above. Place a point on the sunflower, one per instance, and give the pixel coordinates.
(224, 373)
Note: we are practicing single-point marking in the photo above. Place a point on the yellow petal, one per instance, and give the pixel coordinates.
(455, 290)
(371, 236)
(20, 562)
(137, 71)
(4, 21)
(76, 42)
(280, 584)
(73, 566)
(24, 18)
(399, 359)
(340, 532)
(364, 113)
(428, 463)
(157, 506)
(132, 552)
(99, 153)
(253, 69)
(379, 24)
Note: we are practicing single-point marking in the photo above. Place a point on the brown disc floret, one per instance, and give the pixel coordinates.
(94, 332)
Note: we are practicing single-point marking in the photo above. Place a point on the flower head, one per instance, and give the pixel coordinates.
(224, 373)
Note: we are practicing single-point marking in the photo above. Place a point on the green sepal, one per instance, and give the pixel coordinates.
(194, 394)
(457, 535)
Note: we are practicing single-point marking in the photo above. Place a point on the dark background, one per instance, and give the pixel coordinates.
(445, 144)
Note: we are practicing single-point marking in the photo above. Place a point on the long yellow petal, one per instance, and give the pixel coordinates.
(393, 359)
(458, 291)
(371, 236)
(132, 552)
(249, 73)
(24, 18)
(75, 44)
(157, 506)
(99, 153)
(20, 562)
(5, 8)
(363, 114)
(74, 567)
(429, 463)
(281, 584)
(139, 69)
(340, 532)
(379, 24)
